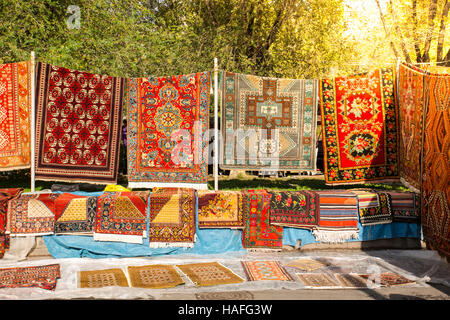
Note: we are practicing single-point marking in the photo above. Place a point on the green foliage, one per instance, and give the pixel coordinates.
(289, 38)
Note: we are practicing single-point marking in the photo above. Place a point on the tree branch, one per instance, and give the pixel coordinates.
(431, 15)
(386, 30)
(416, 39)
(399, 32)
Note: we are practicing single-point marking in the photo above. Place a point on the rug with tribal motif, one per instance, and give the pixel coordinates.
(405, 207)
(259, 234)
(78, 125)
(168, 119)
(381, 213)
(155, 276)
(265, 270)
(351, 280)
(388, 279)
(75, 214)
(44, 277)
(172, 217)
(410, 120)
(5, 196)
(297, 209)
(209, 274)
(15, 114)
(32, 214)
(121, 216)
(306, 264)
(435, 164)
(102, 278)
(359, 122)
(220, 209)
(316, 280)
(268, 123)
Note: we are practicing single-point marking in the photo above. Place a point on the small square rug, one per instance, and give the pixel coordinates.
(156, 276)
(209, 274)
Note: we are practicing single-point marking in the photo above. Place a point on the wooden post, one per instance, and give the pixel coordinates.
(216, 127)
(32, 122)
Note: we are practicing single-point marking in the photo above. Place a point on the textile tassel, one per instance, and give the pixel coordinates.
(333, 236)
(155, 245)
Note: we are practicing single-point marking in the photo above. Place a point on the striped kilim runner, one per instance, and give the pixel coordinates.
(338, 216)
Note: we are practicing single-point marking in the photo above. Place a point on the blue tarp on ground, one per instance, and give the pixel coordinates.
(209, 241)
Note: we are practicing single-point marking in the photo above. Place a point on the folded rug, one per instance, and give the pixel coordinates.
(172, 217)
(168, 122)
(15, 115)
(375, 214)
(297, 209)
(405, 207)
(359, 123)
(32, 214)
(44, 277)
(265, 270)
(220, 209)
(102, 278)
(338, 220)
(5, 196)
(75, 214)
(209, 274)
(258, 233)
(121, 216)
(155, 276)
(78, 125)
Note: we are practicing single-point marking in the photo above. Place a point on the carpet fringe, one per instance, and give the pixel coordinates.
(333, 236)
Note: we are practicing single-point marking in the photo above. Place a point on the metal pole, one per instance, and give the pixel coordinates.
(216, 129)
(32, 121)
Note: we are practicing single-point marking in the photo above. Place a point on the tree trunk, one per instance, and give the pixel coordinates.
(440, 45)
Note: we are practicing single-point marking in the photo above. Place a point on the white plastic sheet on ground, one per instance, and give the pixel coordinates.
(418, 265)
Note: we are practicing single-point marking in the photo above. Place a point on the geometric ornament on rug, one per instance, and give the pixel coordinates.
(167, 129)
(172, 218)
(44, 277)
(351, 280)
(15, 115)
(102, 278)
(265, 270)
(305, 264)
(317, 280)
(359, 123)
(388, 279)
(411, 109)
(75, 214)
(209, 274)
(259, 234)
(121, 216)
(435, 189)
(78, 125)
(32, 214)
(380, 214)
(155, 276)
(268, 123)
